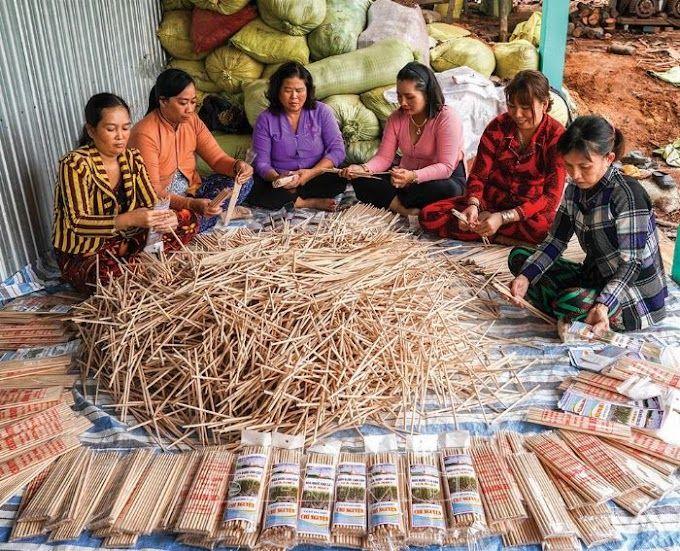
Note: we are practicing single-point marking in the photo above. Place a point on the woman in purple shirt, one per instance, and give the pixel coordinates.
(296, 137)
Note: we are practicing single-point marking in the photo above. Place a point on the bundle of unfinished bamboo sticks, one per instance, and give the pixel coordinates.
(300, 330)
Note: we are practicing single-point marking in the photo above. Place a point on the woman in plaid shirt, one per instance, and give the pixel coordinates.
(621, 284)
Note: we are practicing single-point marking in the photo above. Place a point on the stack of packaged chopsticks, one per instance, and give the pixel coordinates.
(36, 321)
(550, 488)
(38, 367)
(37, 426)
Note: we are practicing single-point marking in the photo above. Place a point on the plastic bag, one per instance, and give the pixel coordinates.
(255, 100)
(295, 17)
(465, 51)
(339, 31)
(267, 45)
(210, 29)
(513, 57)
(357, 153)
(196, 70)
(224, 114)
(226, 7)
(529, 30)
(174, 33)
(169, 5)
(231, 69)
(349, 511)
(387, 19)
(234, 145)
(361, 70)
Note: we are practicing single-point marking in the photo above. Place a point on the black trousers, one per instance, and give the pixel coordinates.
(324, 186)
(380, 193)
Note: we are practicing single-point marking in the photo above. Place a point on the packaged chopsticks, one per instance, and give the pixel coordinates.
(578, 423)
(283, 492)
(318, 489)
(541, 495)
(461, 487)
(23, 529)
(386, 493)
(245, 501)
(502, 502)
(348, 526)
(203, 503)
(556, 456)
(425, 517)
(654, 447)
(603, 459)
(174, 506)
(596, 529)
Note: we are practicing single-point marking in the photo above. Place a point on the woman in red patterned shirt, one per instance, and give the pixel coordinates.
(517, 179)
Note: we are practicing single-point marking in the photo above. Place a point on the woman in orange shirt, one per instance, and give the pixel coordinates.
(170, 136)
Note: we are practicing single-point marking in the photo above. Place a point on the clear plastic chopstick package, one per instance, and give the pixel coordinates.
(348, 526)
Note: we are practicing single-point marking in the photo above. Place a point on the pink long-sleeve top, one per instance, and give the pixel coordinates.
(435, 155)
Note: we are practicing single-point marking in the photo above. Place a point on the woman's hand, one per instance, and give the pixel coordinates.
(353, 171)
(471, 213)
(519, 287)
(304, 175)
(202, 207)
(598, 317)
(242, 171)
(158, 220)
(402, 178)
(489, 224)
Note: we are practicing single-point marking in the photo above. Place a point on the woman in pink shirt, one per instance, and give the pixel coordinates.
(429, 136)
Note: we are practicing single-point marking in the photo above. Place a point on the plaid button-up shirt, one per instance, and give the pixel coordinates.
(616, 228)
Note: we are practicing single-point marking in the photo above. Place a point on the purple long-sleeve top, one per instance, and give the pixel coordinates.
(278, 147)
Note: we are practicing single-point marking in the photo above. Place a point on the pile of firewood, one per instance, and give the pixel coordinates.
(591, 22)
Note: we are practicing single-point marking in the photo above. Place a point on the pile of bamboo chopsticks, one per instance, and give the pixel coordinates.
(303, 330)
(550, 488)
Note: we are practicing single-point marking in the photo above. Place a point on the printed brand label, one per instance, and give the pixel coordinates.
(463, 487)
(350, 496)
(282, 508)
(426, 497)
(242, 503)
(315, 505)
(384, 495)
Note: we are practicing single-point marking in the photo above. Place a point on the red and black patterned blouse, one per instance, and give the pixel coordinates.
(530, 181)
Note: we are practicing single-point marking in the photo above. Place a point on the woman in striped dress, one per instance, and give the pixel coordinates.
(103, 202)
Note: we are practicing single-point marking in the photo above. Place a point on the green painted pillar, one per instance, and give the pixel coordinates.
(553, 46)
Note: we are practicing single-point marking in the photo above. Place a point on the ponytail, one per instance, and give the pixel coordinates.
(84, 138)
(154, 103)
(592, 134)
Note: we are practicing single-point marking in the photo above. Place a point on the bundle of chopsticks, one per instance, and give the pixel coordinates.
(37, 426)
(550, 488)
(39, 367)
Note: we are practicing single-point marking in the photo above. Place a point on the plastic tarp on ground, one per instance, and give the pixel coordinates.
(474, 97)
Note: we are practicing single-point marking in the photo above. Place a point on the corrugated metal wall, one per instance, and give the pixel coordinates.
(54, 54)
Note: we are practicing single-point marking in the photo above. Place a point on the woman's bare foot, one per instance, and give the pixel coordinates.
(317, 203)
(396, 206)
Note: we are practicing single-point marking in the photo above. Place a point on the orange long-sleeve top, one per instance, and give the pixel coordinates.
(166, 149)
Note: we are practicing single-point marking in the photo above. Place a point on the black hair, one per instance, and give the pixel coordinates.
(527, 86)
(591, 134)
(289, 70)
(169, 83)
(93, 112)
(426, 82)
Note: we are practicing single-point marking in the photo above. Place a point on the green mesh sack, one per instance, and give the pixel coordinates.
(169, 5)
(344, 22)
(357, 123)
(513, 57)
(362, 70)
(464, 51)
(174, 34)
(269, 70)
(295, 17)
(231, 69)
(255, 100)
(375, 101)
(267, 45)
(226, 7)
(529, 30)
(442, 32)
(235, 145)
(196, 70)
(358, 153)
